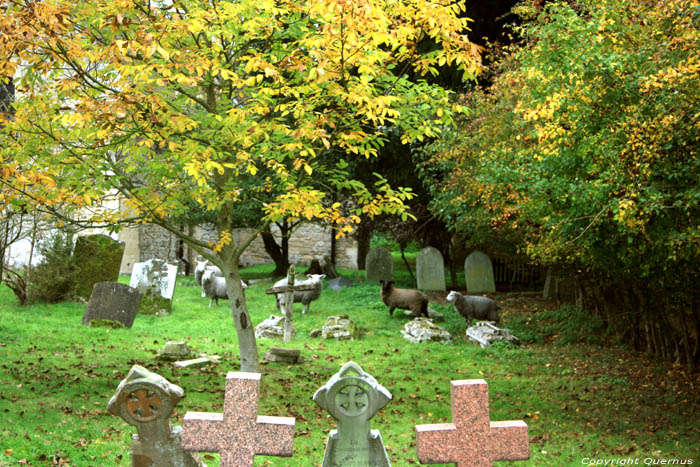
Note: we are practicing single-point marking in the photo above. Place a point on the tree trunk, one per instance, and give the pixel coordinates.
(363, 237)
(245, 330)
(276, 253)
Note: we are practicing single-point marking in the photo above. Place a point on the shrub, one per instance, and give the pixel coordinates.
(51, 281)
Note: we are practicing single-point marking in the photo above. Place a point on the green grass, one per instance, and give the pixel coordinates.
(580, 396)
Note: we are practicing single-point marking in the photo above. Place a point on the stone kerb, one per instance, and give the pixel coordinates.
(471, 439)
(238, 433)
(478, 272)
(430, 269)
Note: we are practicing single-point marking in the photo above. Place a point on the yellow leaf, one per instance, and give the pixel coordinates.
(308, 169)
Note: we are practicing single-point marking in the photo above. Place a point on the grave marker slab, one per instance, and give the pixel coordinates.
(478, 272)
(379, 265)
(471, 439)
(238, 433)
(146, 400)
(156, 280)
(430, 269)
(114, 302)
(353, 397)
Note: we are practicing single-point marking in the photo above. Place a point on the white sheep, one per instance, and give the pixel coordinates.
(203, 266)
(301, 297)
(404, 299)
(474, 306)
(214, 286)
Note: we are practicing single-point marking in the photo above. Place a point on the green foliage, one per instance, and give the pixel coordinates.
(567, 325)
(52, 280)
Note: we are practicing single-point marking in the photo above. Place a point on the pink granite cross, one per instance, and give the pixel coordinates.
(472, 439)
(239, 433)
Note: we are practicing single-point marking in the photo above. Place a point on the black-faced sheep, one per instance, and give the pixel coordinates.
(474, 306)
(404, 299)
(203, 266)
(214, 286)
(302, 297)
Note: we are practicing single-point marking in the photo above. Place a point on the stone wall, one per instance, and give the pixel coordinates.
(307, 242)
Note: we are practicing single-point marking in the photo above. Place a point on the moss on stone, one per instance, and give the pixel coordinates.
(107, 323)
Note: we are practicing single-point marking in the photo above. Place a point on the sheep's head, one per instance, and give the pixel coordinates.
(315, 278)
(201, 265)
(386, 285)
(207, 276)
(451, 296)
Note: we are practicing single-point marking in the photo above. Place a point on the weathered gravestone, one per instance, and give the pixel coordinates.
(146, 400)
(156, 280)
(239, 433)
(353, 397)
(173, 351)
(430, 269)
(379, 265)
(471, 439)
(486, 333)
(111, 301)
(271, 327)
(283, 355)
(339, 327)
(96, 258)
(424, 330)
(478, 272)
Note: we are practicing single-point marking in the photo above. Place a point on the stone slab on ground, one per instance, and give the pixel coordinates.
(486, 333)
(270, 328)
(339, 327)
(424, 330)
(203, 360)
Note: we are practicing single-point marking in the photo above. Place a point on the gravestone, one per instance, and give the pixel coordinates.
(478, 272)
(379, 265)
(471, 439)
(485, 333)
(174, 350)
(271, 327)
(339, 283)
(339, 327)
(97, 258)
(283, 355)
(156, 280)
(353, 397)
(430, 269)
(424, 330)
(238, 433)
(146, 400)
(112, 301)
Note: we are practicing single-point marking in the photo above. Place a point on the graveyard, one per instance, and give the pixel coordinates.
(582, 396)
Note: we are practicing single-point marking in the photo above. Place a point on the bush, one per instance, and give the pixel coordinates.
(51, 281)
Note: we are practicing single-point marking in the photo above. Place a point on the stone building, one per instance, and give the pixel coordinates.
(308, 241)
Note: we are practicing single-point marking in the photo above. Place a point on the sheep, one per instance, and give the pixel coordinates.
(404, 299)
(214, 286)
(304, 297)
(203, 266)
(474, 306)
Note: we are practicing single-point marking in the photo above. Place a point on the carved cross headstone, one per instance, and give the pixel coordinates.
(352, 397)
(239, 433)
(471, 439)
(145, 400)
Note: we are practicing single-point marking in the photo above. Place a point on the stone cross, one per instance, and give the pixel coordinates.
(289, 306)
(145, 400)
(352, 397)
(239, 433)
(472, 439)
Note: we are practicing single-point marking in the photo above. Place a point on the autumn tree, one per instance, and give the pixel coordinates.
(219, 104)
(585, 153)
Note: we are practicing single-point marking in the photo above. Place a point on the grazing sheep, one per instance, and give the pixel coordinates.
(473, 306)
(214, 286)
(404, 299)
(203, 266)
(304, 297)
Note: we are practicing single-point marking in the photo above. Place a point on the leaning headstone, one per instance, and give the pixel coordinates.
(339, 283)
(97, 258)
(156, 280)
(430, 269)
(471, 439)
(283, 355)
(478, 272)
(486, 333)
(238, 433)
(379, 265)
(271, 327)
(353, 397)
(112, 301)
(339, 327)
(146, 400)
(424, 330)
(174, 350)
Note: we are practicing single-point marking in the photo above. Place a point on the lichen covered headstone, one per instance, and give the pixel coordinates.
(379, 265)
(339, 327)
(156, 280)
(173, 351)
(146, 400)
(112, 302)
(486, 333)
(96, 258)
(430, 269)
(424, 330)
(353, 397)
(270, 328)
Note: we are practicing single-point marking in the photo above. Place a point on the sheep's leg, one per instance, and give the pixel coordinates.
(391, 311)
(211, 300)
(305, 309)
